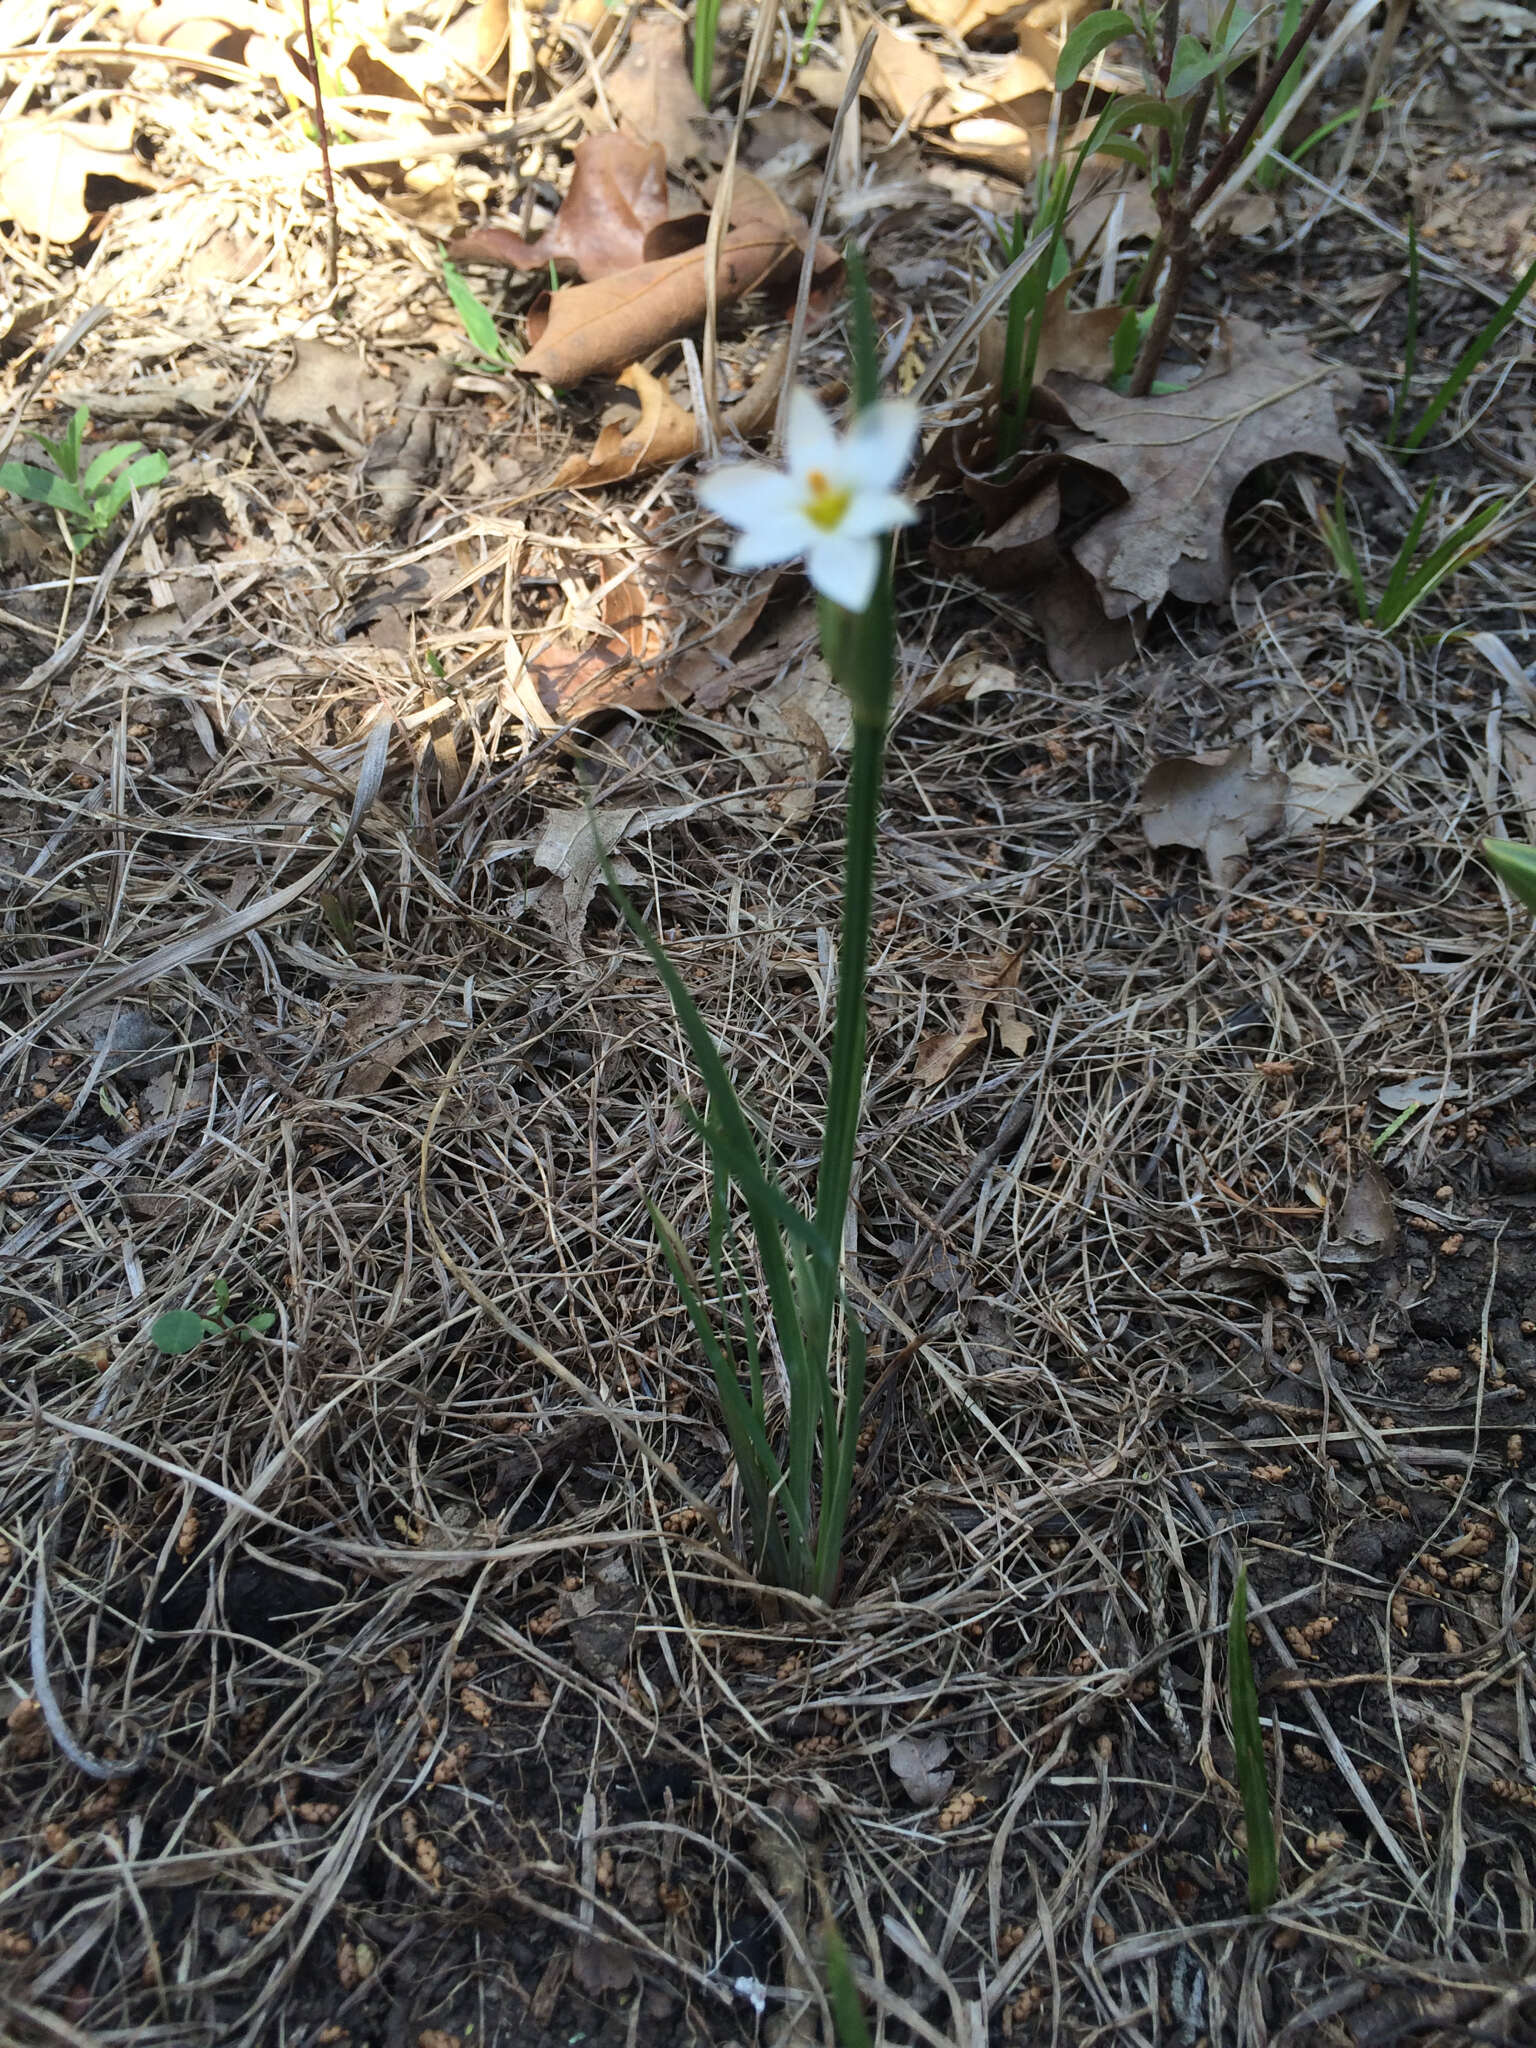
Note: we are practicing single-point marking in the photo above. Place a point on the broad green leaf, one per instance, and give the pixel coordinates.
(1086, 41)
(1193, 63)
(105, 463)
(1514, 862)
(178, 1331)
(43, 487)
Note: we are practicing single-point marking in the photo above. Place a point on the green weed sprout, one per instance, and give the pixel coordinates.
(89, 499)
(1406, 586)
(181, 1330)
(475, 318)
(835, 504)
(1248, 1746)
(1514, 862)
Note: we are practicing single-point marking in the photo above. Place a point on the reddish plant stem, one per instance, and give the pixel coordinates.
(1232, 149)
(322, 136)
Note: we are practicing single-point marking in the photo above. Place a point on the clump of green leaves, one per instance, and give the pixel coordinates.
(181, 1330)
(476, 318)
(88, 498)
(1248, 1746)
(1406, 586)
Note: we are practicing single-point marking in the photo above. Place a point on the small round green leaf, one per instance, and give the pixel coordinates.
(177, 1331)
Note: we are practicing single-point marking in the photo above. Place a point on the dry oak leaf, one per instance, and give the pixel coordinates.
(965, 17)
(651, 92)
(1179, 458)
(618, 194)
(46, 167)
(593, 330)
(1215, 802)
(665, 432)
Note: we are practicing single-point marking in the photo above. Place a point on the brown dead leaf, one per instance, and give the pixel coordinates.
(1217, 803)
(1319, 794)
(591, 330)
(968, 17)
(651, 90)
(1019, 553)
(1089, 218)
(1081, 642)
(1366, 1215)
(618, 194)
(325, 387)
(916, 1762)
(995, 984)
(665, 432)
(1179, 458)
(907, 80)
(205, 28)
(46, 168)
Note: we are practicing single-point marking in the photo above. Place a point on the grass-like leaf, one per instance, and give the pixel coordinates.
(1514, 862)
(1248, 1744)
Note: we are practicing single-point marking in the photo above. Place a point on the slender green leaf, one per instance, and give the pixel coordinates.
(1335, 531)
(475, 317)
(1470, 539)
(105, 463)
(842, 1991)
(1248, 1745)
(1469, 359)
(1514, 862)
(1193, 63)
(142, 475)
(1086, 41)
(1411, 337)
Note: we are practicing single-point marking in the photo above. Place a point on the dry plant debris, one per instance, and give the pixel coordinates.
(393, 1685)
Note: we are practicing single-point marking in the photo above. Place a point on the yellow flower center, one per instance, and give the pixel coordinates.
(827, 502)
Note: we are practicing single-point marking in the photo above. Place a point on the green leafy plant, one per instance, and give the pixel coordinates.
(88, 498)
(1514, 862)
(834, 504)
(1406, 586)
(1248, 1747)
(475, 318)
(1185, 76)
(180, 1330)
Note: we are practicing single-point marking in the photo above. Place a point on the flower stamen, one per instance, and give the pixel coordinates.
(826, 504)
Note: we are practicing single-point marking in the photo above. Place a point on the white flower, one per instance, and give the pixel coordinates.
(831, 501)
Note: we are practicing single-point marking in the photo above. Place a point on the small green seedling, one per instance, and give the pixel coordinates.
(475, 318)
(181, 1330)
(1406, 586)
(1514, 862)
(1248, 1746)
(89, 499)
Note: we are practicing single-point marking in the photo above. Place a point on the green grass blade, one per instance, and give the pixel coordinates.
(1334, 528)
(842, 1991)
(1469, 360)
(706, 29)
(1248, 1745)
(1464, 545)
(842, 1456)
(1514, 862)
(1402, 561)
(1411, 338)
(475, 317)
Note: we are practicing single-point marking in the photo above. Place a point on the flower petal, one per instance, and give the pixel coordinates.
(878, 446)
(746, 493)
(844, 568)
(875, 512)
(810, 439)
(768, 541)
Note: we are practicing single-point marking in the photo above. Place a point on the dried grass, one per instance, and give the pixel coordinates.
(398, 1638)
